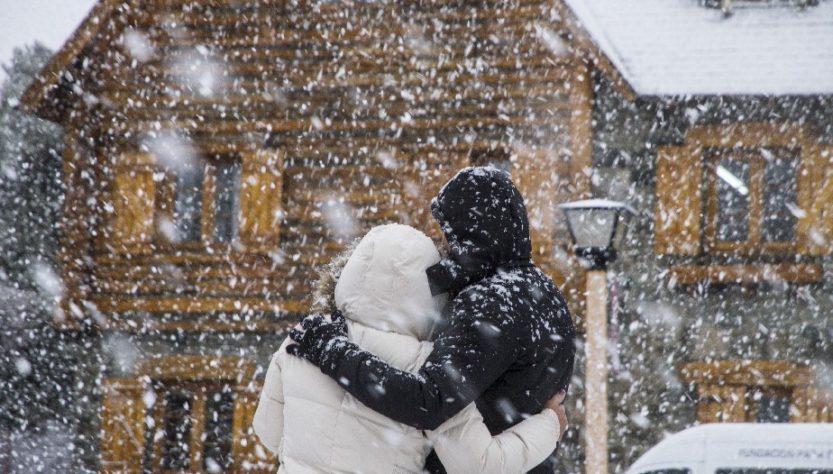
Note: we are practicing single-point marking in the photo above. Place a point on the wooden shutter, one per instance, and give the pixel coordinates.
(134, 199)
(721, 404)
(815, 199)
(677, 219)
(248, 454)
(260, 200)
(122, 426)
(811, 405)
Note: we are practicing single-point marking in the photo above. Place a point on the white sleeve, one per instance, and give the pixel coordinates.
(465, 445)
(268, 419)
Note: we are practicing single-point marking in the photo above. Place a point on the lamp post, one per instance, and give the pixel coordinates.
(597, 227)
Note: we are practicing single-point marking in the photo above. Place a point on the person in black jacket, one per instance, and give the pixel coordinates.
(508, 340)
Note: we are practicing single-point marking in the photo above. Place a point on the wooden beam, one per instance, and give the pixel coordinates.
(197, 368)
(444, 9)
(306, 125)
(345, 111)
(752, 135)
(182, 305)
(747, 274)
(438, 10)
(207, 325)
(290, 36)
(750, 373)
(165, 85)
(552, 92)
(231, 287)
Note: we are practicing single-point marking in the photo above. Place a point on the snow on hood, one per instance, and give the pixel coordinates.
(384, 285)
(484, 220)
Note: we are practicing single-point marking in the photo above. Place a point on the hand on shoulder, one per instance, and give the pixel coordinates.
(312, 339)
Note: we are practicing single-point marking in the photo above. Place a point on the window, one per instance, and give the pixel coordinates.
(183, 414)
(752, 199)
(763, 391)
(770, 405)
(193, 428)
(177, 417)
(200, 202)
(188, 207)
(218, 422)
(226, 201)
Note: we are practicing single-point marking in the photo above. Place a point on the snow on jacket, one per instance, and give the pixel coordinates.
(313, 425)
(508, 342)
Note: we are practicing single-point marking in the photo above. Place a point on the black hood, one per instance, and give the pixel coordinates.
(484, 219)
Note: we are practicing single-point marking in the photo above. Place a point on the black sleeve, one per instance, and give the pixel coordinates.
(472, 351)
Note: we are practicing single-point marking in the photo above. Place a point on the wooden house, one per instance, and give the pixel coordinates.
(217, 151)
(724, 143)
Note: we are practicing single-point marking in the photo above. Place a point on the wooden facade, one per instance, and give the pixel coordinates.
(740, 392)
(700, 257)
(127, 439)
(332, 118)
(218, 151)
(405, 85)
(686, 205)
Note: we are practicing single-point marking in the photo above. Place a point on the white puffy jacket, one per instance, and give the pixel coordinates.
(314, 426)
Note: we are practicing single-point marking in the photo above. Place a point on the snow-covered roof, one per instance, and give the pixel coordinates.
(680, 47)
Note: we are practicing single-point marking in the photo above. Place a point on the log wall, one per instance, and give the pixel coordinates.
(371, 107)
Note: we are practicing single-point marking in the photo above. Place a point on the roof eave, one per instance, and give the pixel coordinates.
(41, 98)
(593, 51)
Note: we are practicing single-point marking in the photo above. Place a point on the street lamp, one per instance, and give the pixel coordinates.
(597, 227)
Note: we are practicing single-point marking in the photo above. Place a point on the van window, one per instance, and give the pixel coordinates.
(774, 470)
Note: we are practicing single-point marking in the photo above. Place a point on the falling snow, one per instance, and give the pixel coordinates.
(174, 179)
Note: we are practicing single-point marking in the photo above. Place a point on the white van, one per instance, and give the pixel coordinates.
(743, 448)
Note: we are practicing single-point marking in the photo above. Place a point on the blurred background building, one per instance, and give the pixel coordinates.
(215, 152)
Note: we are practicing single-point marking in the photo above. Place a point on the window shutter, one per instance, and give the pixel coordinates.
(815, 199)
(122, 426)
(811, 405)
(677, 219)
(260, 200)
(721, 404)
(134, 202)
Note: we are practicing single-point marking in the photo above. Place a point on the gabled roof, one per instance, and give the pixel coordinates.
(51, 94)
(39, 98)
(680, 47)
(658, 48)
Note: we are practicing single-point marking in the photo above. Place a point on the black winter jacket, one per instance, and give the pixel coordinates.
(508, 342)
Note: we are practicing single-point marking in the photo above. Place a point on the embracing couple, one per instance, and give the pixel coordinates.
(456, 363)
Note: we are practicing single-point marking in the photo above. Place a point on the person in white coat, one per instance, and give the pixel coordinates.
(314, 426)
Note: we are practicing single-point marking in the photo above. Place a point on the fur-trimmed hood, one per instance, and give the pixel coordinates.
(384, 286)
